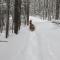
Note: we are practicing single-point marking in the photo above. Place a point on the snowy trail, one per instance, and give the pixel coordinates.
(42, 44)
(39, 44)
(31, 52)
(28, 50)
(50, 41)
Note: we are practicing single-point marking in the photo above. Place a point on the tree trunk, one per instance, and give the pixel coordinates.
(27, 12)
(16, 17)
(57, 9)
(19, 13)
(7, 23)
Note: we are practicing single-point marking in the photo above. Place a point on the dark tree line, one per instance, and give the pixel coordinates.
(17, 8)
(49, 9)
(12, 8)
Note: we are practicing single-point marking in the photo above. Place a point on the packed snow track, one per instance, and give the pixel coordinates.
(42, 44)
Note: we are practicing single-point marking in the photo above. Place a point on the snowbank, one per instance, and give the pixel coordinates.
(56, 21)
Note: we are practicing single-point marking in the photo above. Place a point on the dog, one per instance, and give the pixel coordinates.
(31, 26)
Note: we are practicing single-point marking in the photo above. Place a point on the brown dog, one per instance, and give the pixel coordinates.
(31, 27)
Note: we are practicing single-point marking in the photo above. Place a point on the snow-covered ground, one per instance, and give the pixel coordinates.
(36, 19)
(56, 21)
(42, 44)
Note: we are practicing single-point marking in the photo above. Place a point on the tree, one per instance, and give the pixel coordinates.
(17, 13)
(20, 2)
(26, 7)
(28, 12)
(57, 10)
(7, 22)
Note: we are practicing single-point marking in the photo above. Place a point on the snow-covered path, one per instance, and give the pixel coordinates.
(42, 44)
(49, 37)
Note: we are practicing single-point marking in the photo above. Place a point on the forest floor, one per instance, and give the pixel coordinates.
(41, 44)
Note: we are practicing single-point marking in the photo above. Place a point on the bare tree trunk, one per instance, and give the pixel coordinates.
(7, 23)
(52, 8)
(44, 10)
(20, 2)
(27, 12)
(16, 17)
(57, 9)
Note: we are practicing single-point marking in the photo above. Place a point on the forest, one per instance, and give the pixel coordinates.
(29, 29)
(15, 12)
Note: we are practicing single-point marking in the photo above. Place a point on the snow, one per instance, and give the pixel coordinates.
(42, 44)
(56, 21)
(36, 19)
